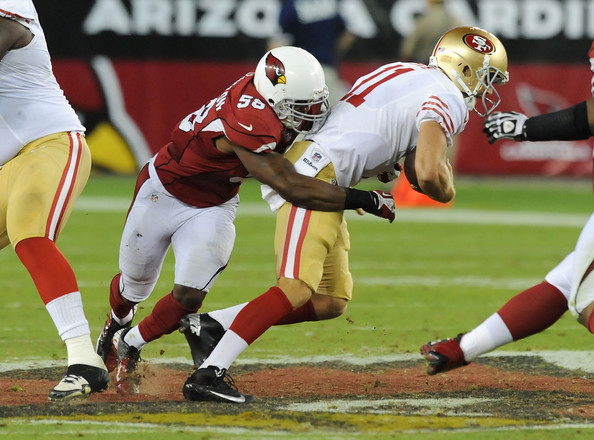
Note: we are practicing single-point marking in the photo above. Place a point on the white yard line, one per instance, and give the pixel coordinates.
(420, 215)
(444, 406)
(572, 360)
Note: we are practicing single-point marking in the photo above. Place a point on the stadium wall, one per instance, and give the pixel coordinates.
(133, 69)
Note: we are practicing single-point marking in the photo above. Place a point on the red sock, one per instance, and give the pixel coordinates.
(164, 318)
(52, 274)
(533, 310)
(306, 312)
(260, 314)
(120, 308)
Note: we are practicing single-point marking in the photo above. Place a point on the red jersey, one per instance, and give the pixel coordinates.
(193, 170)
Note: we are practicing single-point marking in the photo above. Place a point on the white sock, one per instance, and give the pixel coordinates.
(81, 351)
(126, 319)
(68, 316)
(489, 335)
(134, 338)
(225, 317)
(227, 350)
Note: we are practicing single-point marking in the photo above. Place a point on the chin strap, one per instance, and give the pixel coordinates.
(470, 102)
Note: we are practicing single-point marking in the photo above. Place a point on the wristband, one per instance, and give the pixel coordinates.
(569, 124)
(355, 198)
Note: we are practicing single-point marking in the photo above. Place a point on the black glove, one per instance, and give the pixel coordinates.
(377, 202)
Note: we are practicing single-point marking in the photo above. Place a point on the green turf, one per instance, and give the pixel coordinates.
(413, 281)
(58, 430)
(96, 431)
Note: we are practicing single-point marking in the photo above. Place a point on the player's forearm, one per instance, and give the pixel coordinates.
(317, 195)
(439, 193)
(314, 194)
(439, 186)
(572, 123)
(304, 191)
(307, 192)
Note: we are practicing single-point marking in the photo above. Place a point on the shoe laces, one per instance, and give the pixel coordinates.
(224, 378)
(229, 381)
(72, 379)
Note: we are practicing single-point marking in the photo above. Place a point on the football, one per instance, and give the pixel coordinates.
(409, 168)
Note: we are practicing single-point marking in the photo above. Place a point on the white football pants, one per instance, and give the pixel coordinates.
(202, 241)
(582, 287)
(567, 275)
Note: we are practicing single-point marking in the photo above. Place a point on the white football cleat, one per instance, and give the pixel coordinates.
(80, 380)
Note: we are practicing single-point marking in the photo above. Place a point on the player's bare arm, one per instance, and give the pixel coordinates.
(13, 35)
(433, 170)
(276, 171)
(279, 173)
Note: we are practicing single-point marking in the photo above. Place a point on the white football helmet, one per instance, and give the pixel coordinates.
(292, 81)
(474, 60)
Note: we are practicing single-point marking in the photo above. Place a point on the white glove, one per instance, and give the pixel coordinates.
(505, 125)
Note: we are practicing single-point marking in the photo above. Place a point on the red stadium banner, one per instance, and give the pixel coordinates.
(133, 69)
(533, 89)
(130, 107)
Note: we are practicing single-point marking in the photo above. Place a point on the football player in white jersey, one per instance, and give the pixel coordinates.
(44, 166)
(568, 285)
(400, 111)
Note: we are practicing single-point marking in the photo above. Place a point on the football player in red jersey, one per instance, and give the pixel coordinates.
(186, 196)
(569, 285)
(400, 110)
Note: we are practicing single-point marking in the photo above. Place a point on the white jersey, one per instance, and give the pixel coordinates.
(32, 104)
(377, 122)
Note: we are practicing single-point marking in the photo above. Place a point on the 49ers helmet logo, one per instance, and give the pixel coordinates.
(478, 43)
(275, 70)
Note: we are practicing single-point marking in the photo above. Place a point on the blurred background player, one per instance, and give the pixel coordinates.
(418, 46)
(318, 28)
(569, 285)
(401, 110)
(187, 196)
(44, 166)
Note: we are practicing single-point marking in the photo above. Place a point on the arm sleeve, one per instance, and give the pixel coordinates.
(569, 124)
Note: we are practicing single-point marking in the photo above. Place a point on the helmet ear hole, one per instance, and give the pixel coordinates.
(474, 59)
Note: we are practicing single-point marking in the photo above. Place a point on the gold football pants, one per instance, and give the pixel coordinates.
(39, 186)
